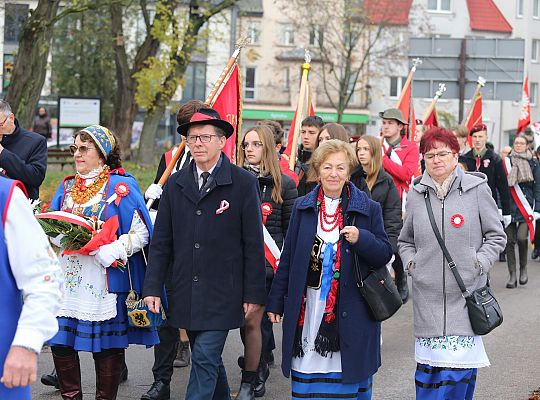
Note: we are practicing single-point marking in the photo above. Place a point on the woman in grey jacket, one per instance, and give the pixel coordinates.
(447, 350)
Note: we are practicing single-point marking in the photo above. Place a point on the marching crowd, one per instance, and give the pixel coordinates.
(428, 207)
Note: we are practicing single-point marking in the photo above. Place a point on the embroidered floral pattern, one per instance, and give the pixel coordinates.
(450, 343)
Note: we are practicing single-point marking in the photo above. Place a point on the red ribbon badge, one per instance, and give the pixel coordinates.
(223, 205)
(266, 211)
(457, 220)
(122, 190)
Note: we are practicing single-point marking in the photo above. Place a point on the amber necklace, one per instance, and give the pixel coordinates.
(81, 193)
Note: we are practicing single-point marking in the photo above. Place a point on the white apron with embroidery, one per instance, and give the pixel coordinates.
(451, 352)
(86, 296)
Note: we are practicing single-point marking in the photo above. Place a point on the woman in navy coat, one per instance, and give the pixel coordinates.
(330, 342)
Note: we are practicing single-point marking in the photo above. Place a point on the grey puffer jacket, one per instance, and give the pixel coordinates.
(474, 244)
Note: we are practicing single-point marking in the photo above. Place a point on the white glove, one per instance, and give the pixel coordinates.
(153, 192)
(109, 253)
(507, 220)
(56, 240)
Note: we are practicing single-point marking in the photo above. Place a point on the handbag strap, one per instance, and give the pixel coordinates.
(447, 256)
(359, 279)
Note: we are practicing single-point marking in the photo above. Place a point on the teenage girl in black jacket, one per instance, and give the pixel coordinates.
(278, 192)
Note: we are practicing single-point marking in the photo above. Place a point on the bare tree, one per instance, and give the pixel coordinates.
(345, 36)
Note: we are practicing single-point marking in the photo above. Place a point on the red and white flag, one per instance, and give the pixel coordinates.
(229, 106)
(311, 113)
(525, 114)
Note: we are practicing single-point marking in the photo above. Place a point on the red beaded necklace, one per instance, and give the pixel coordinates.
(331, 220)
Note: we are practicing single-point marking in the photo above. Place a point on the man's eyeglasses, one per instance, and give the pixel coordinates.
(255, 145)
(4, 121)
(441, 155)
(203, 138)
(82, 149)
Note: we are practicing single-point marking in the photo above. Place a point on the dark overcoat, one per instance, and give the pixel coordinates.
(217, 257)
(359, 334)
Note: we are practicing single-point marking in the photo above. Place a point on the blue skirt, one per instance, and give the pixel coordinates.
(437, 383)
(329, 385)
(94, 336)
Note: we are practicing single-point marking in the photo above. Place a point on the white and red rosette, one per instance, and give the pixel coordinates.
(457, 220)
(266, 209)
(122, 190)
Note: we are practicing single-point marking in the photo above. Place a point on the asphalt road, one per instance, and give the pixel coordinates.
(513, 350)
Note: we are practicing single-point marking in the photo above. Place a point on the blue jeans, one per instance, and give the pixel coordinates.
(208, 380)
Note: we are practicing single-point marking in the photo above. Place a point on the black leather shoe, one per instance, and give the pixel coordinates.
(502, 257)
(535, 254)
(158, 391)
(50, 379)
(246, 392)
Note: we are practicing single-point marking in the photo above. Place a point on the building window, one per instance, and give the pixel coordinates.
(15, 17)
(519, 9)
(534, 50)
(195, 78)
(316, 37)
(249, 84)
(286, 78)
(533, 94)
(287, 34)
(439, 5)
(254, 32)
(536, 9)
(396, 84)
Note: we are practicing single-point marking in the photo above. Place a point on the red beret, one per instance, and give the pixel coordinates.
(478, 128)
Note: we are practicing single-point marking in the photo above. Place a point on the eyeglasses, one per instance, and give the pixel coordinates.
(4, 121)
(255, 145)
(440, 155)
(82, 149)
(203, 138)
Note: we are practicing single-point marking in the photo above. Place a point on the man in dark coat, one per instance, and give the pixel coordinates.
(23, 154)
(209, 224)
(310, 129)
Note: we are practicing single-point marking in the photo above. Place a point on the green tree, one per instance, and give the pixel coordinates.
(83, 59)
(34, 46)
(162, 75)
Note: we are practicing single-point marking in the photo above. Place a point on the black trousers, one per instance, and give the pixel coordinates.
(165, 351)
(537, 235)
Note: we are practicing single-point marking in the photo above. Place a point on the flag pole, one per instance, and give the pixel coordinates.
(438, 94)
(479, 85)
(416, 62)
(209, 101)
(299, 109)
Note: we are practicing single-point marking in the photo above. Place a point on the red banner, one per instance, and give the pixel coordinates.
(431, 121)
(228, 104)
(475, 116)
(525, 114)
(406, 107)
(288, 149)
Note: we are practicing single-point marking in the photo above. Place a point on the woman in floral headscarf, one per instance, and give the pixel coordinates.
(93, 316)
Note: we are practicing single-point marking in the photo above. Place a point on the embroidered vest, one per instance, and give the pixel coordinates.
(9, 295)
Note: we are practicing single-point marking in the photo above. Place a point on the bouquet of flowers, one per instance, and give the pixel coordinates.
(79, 234)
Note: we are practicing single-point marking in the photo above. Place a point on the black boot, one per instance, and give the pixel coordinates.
(158, 391)
(124, 373)
(247, 386)
(523, 278)
(50, 379)
(535, 253)
(512, 280)
(263, 372)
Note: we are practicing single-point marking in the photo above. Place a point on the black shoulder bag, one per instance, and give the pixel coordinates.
(484, 311)
(379, 291)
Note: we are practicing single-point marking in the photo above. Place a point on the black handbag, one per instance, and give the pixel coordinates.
(379, 291)
(484, 311)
